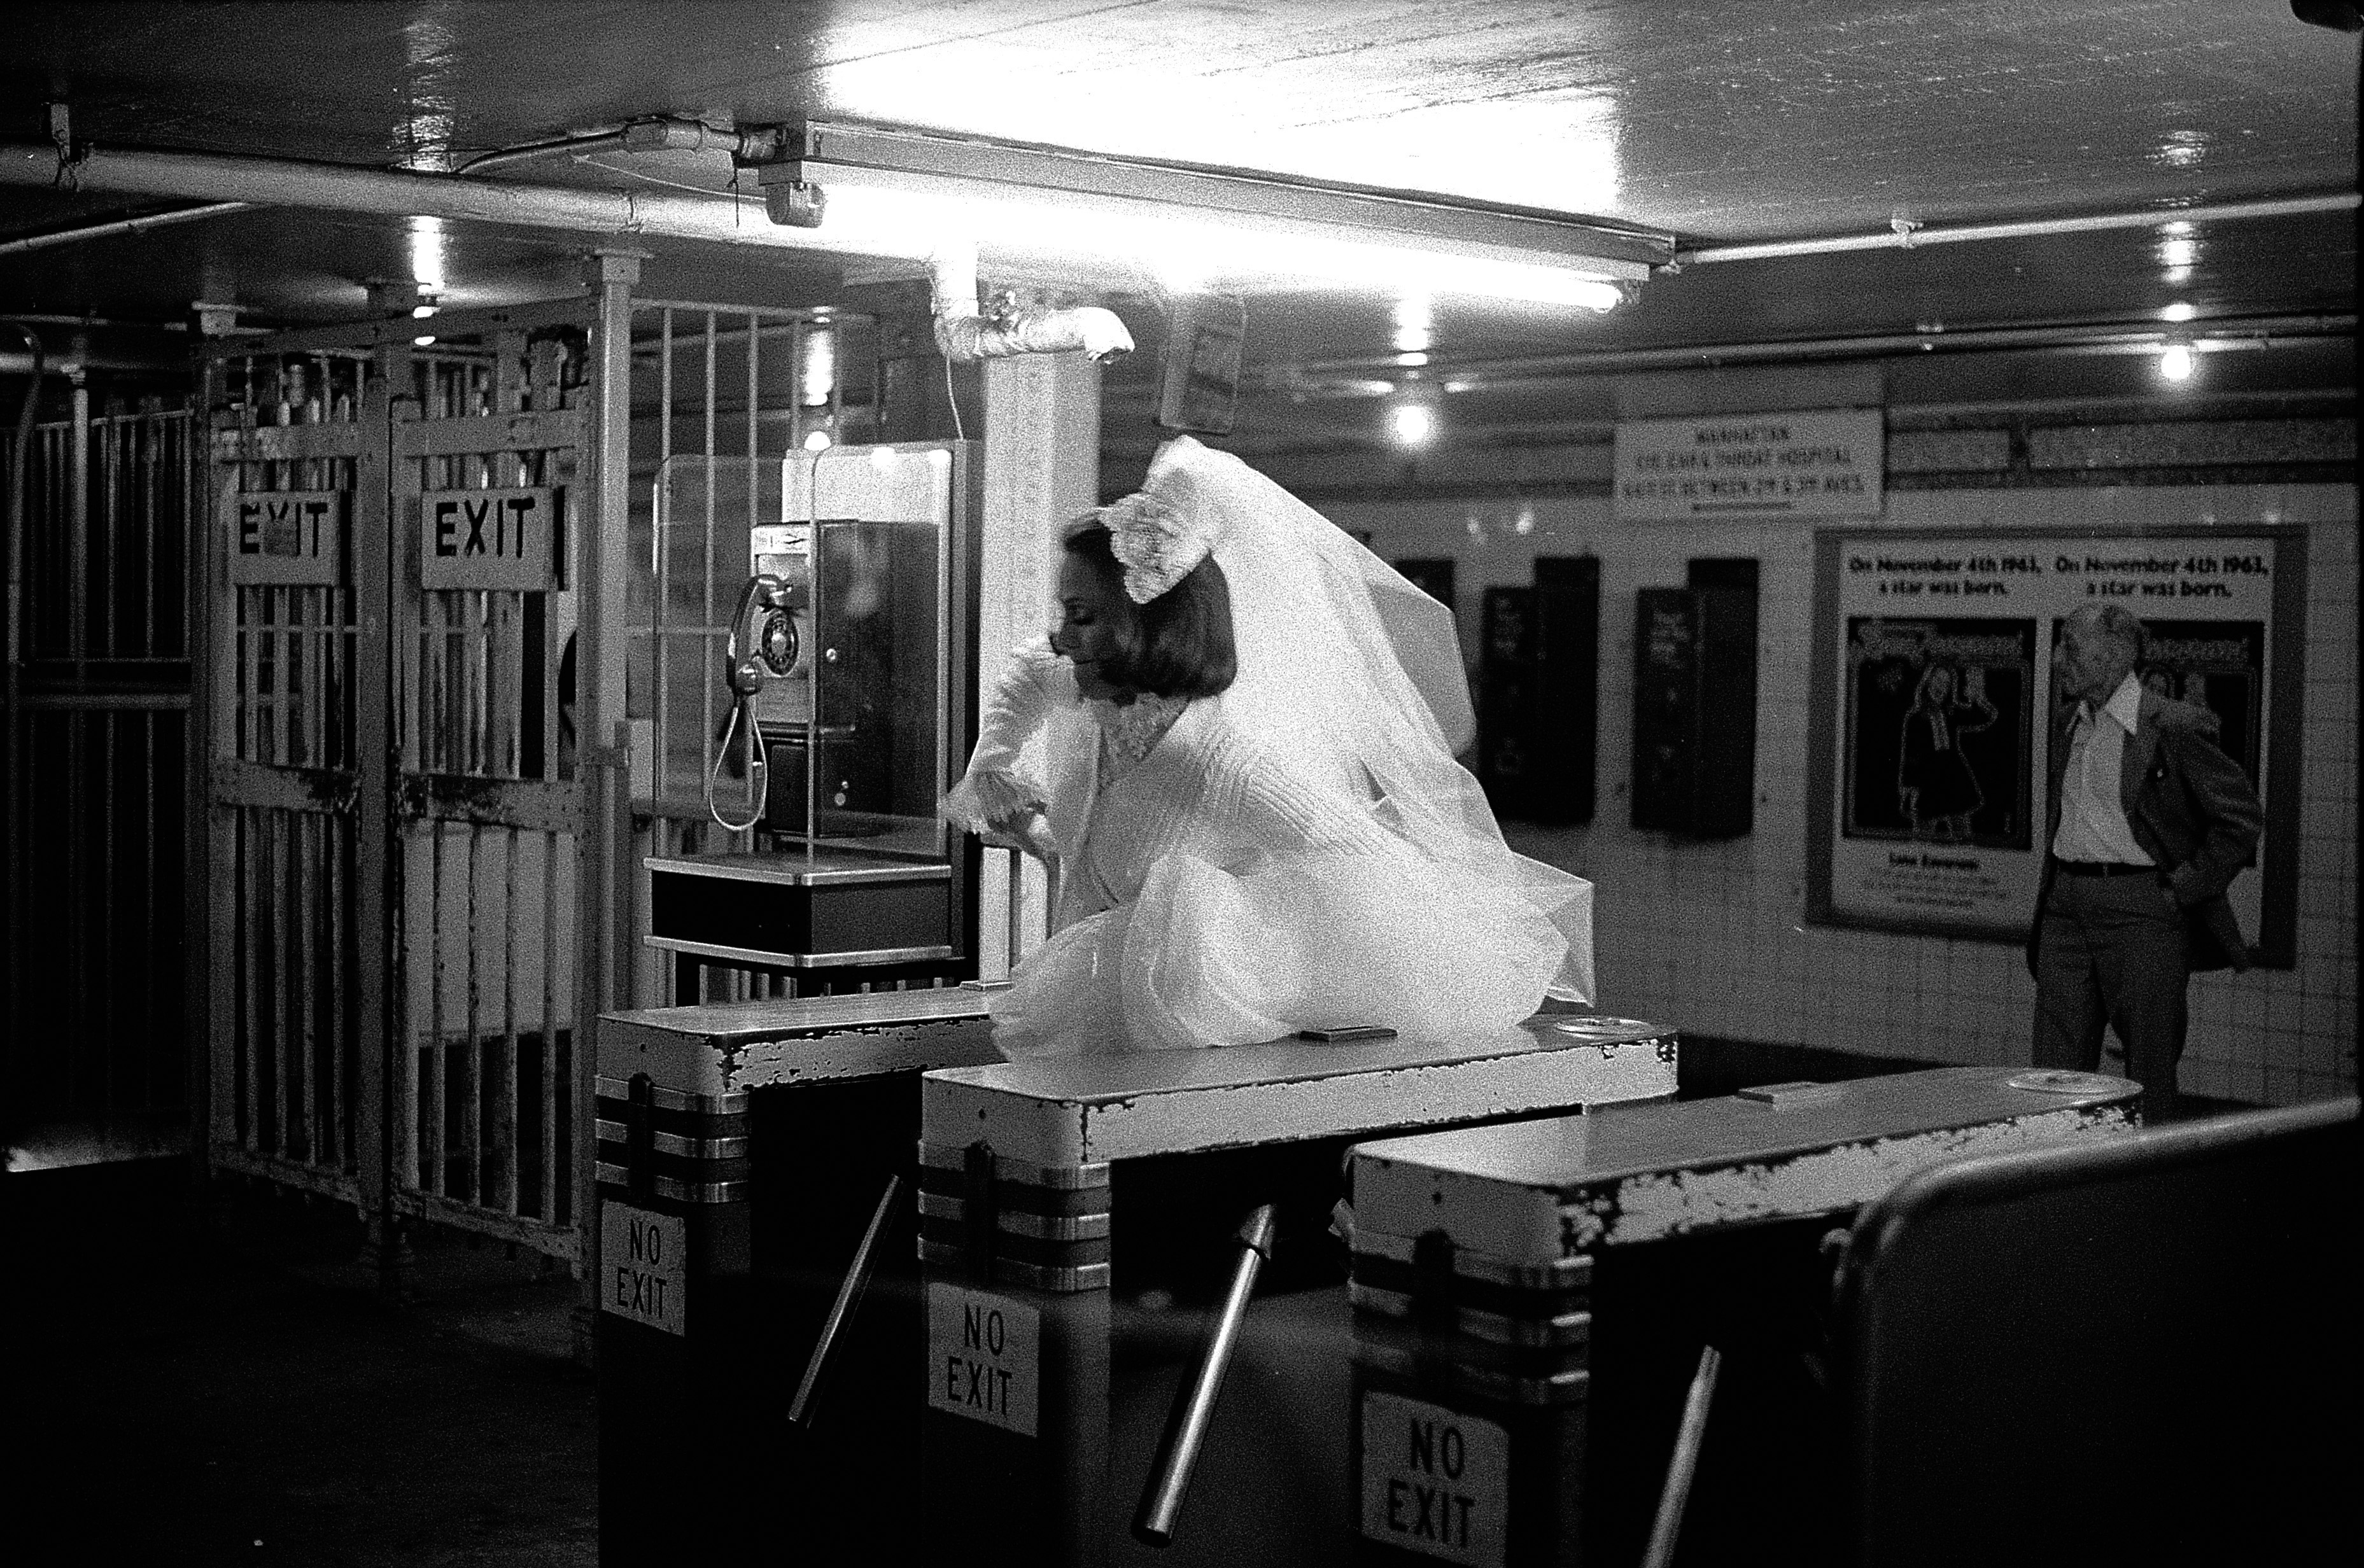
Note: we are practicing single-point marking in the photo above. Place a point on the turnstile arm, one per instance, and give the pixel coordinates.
(840, 1311)
(1194, 1404)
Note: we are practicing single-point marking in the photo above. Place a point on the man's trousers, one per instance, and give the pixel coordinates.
(2111, 951)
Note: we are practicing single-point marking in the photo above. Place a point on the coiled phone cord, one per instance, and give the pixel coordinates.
(744, 677)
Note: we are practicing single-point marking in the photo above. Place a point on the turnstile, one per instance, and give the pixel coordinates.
(1530, 1300)
(1045, 1184)
(745, 1157)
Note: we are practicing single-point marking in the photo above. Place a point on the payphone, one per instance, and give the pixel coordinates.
(825, 716)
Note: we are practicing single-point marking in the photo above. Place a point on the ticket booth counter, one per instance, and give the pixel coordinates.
(1532, 1302)
(1077, 1226)
(745, 1153)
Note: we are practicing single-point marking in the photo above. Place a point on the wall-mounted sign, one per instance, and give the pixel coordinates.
(287, 536)
(488, 538)
(1435, 1480)
(645, 1266)
(1812, 464)
(1933, 694)
(985, 1357)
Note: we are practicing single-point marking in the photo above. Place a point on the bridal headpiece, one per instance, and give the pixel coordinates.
(1157, 536)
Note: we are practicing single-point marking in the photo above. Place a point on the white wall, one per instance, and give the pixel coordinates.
(1712, 937)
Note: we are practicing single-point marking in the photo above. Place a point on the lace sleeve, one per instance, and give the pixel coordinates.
(998, 785)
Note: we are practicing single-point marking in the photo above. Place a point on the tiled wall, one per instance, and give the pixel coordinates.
(1712, 937)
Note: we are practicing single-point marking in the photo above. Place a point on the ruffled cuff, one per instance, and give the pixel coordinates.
(986, 796)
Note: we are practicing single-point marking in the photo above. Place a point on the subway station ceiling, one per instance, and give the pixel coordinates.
(1718, 123)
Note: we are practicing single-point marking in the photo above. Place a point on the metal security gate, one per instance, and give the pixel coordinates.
(393, 809)
(289, 1062)
(95, 743)
(486, 809)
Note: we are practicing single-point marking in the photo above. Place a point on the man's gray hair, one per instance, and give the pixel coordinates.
(2121, 625)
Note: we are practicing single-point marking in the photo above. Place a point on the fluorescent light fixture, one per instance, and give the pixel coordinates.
(1412, 424)
(1202, 226)
(1415, 324)
(426, 253)
(2181, 310)
(818, 376)
(2175, 361)
(2177, 252)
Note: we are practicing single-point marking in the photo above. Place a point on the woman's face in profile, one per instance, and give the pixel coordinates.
(1941, 684)
(1094, 616)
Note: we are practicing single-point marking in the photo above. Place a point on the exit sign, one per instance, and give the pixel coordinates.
(488, 538)
(294, 537)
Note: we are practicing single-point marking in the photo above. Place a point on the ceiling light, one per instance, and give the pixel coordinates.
(2181, 310)
(423, 340)
(2175, 361)
(426, 253)
(1209, 226)
(2177, 252)
(1415, 322)
(1412, 424)
(817, 441)
(422, 310)
(818, 376)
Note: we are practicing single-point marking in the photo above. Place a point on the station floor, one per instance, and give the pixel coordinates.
(206, 1377)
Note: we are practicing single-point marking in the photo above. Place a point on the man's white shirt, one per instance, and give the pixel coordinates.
(2092, 816)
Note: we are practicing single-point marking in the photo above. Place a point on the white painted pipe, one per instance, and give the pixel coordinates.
(1908, 237)
(120, 226)
(1376, 377)
(269, 182)
(965, 334)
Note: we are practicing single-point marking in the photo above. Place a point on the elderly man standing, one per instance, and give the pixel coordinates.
(2150, 821)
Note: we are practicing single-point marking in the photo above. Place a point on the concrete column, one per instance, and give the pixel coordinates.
(1042, 430)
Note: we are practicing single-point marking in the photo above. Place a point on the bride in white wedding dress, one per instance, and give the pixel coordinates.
(1237, 753)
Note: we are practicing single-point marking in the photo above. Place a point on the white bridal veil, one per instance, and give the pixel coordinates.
(1347, 666)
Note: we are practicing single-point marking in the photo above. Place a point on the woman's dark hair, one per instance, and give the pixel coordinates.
(1180, 644)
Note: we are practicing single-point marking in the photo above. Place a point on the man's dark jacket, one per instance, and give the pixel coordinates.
(2192, 811)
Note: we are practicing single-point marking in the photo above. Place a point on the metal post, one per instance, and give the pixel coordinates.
(602, 948)
(377, 853)
(202, 584)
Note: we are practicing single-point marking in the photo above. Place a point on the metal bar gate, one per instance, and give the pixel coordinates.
(95, 744)
(407, 835)
(392, 804)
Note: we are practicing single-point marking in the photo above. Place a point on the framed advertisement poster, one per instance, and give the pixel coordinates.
(1932, 696)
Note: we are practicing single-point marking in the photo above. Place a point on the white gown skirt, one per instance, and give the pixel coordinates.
(1207, 956)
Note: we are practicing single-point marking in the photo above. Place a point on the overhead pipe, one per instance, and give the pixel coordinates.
(339, 187)
(1904, 234)
(15, 363)
(964, 333)
(2092, 338)
(119, 226)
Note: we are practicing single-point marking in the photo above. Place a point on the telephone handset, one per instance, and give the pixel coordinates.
(774, 652)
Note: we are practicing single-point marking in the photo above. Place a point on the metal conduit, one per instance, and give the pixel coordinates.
(210, 176)
(119, 225)
(2114, 337)
(1905, 236)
